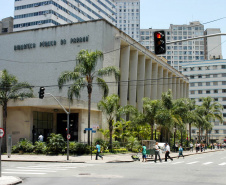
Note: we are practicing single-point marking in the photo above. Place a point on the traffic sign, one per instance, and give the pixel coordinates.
(88, 129)
(69, 136)
(2, 132)
(94, 131)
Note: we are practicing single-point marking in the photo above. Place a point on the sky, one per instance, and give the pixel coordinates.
(159, 14)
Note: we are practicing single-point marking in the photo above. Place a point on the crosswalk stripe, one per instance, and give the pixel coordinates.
(207, 163)
(25, 173)
(193, 162)
(222, 164)
(178, 162)
(28, 170)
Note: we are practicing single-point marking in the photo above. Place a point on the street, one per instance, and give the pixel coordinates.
(208, 168)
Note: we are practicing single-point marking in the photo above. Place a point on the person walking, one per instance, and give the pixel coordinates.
(180, 152)
(98, 151)
(144, 152)
(167, 153)
(197, 147)
(191, 147)
(176, 146)
(157, 152)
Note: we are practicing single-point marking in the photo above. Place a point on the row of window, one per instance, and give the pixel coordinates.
(208, 91)
(128, 10)
(200, 68)
(214, 98)
(212, 132)
(207, 75)
(207, 83)
(36, 23)
(184, 57)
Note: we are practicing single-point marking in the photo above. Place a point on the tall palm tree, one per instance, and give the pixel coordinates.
(10, 88)
(84, 74)
(212, 111)
(110, 106)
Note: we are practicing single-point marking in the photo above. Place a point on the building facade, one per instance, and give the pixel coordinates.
(6, 25)
(31, 14)
(39, 56)
(207, 78)
(128, 17)
(187, 51)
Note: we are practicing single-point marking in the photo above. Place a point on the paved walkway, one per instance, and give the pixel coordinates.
(6, 180)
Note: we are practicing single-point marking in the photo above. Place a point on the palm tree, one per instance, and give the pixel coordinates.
(10, 88)
(84, 75)
(212, 110)
(110, 106)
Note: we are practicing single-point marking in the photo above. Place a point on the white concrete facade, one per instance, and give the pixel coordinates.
(207, 78)
(31, 14)
(39, 56)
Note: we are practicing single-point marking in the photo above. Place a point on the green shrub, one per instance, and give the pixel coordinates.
(106, 151)
(119, 150)
(72, 147)
(55, 144)
(40, 147)
(24, 146)
(82, 149)
(135, 150)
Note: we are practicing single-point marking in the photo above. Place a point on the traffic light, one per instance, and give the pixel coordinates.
(160, 42)
(41, 92)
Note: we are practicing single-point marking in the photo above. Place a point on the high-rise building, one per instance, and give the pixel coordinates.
(128, 17)
(6, 25)
(207, 78)
(187, 51)
(30, 14)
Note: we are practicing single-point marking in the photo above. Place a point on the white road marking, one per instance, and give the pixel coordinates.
(39, 168)
(193, 162)
(222, 164)
(28, 170)
(178, 162)
(207, 163)
(25, 173)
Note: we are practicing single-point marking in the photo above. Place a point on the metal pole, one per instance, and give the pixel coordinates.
(91, 145)
(0, 157)
(155, 134)
(67, 135)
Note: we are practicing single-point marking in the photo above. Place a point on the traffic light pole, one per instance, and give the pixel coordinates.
(68, 113)
(200, 37)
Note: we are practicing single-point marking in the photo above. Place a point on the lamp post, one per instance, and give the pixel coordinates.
(174, 129)
(155, 130)
(187, 138)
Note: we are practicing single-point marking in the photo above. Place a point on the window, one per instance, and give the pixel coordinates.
(223, 74)
(215, 75)
(214, 67)
(224, 131)
(192, 68)
(199, 76)
(207, 83)
(224, 98)
(208, 92)
(215, 99)
(200, 91)
(207, 76)
(200, 84)
(216, 131)
(224, 83)
(223, 67)
(192, 84)
(200, 99)
(215, 91)
(192, 77)
(224, 106)
(193, 131)
(223, 90)
(215, 83)
(199, 68)
(192, 92)
(185, 69)
(224, 115)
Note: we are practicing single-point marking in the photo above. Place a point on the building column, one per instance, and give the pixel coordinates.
(174, 86)
(170, 81)
(154, 81)
(178, 88)
(148, 81)
(140, 82)
(124, 61)
(187, 90)
(160, 82)
(165, 80)
(181, 88)
(133, 77)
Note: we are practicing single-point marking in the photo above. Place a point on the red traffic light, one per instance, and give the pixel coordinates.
(158, 35)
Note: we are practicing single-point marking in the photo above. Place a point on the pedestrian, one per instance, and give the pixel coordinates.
(176, 146)
(157, 152)
(191, 147)
(197, 147)
(144, 152)
(98, 151)
(211, 146)
(167, 153)
(180, 152)
(40, 138)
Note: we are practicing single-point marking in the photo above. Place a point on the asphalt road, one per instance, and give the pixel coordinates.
(209, 168)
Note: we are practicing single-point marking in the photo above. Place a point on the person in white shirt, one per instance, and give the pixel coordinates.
(157, 152)
(167, 153)
(40, 137)
(191, 147)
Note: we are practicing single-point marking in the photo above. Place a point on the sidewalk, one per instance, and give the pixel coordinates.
(115, 158)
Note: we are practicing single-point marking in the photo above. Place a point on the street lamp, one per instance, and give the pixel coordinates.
(174, 130)
(155, 130)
